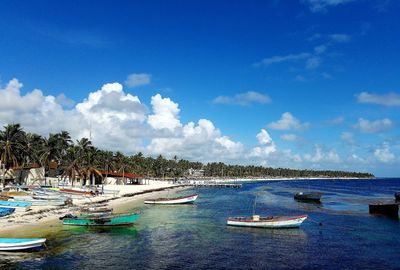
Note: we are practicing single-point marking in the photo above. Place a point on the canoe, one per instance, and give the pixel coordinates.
(273, 222)
(17, 205)
(6, 211)
(178, 200)
(15, 244)
(308, 196)
(109, 220)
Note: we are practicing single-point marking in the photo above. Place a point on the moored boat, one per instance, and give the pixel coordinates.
(108, 220)
(308, 196)
(16, 244)
(177, 200)
(17, 205)
(273, 222)
(388, 209)
(6, 211)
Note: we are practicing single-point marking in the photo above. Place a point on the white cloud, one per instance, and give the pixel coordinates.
(320, 49)
(313, 62)
(340, 38)
(322, 5)
(166, 114)
(279, 59)
(347, 137)
(267, 146)
(384, 154)
(336, 121)
(289, 137)
(390, 99)
(320, 156)
(243, 99)
(138, 79)
(376, 126)
(288, 122)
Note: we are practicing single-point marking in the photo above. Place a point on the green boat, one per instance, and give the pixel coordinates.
(109, 220)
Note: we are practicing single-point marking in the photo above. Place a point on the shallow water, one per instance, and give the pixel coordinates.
(196, 237)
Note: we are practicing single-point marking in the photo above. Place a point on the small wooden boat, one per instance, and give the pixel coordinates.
(386, 209)
(273, 222)
(15, 244)
(78, 192)
(109, 220)
(177, 200)
(17, 205)
(6, 211)
(308, 196)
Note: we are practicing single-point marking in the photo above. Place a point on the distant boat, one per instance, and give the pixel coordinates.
(273, 222)
(109, 220)
(18, 206)
(308, 196)
(177, 200)
(6, 211)
(15, 244)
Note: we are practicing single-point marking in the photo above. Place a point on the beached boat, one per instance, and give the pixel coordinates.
(177, 200)
(273, 222)
(78, 192)
(109, 220)
(15, 244)
(17, 205)
(6, 211)
(308, 196)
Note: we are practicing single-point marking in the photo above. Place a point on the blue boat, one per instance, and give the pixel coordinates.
(17, 205)
(15, 244)
(6, 211)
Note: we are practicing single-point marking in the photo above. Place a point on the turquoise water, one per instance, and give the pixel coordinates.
(339, 234)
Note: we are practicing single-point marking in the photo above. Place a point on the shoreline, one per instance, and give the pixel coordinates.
(43, 218)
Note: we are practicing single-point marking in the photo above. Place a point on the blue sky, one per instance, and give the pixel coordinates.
(302, 84)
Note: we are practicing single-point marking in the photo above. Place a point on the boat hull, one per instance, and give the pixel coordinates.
(115, 220)
(179, 200)
(18, 206)
(6, 211)
(308, 196)
(269, 222)
(15, 244)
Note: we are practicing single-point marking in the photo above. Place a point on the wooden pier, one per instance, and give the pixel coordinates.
(214, 185)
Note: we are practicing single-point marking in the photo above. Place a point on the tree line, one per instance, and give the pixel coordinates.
(60, 155)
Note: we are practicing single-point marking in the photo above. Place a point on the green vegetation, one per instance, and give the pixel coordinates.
(58, 154)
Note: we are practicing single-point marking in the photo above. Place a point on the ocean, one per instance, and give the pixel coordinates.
(339, 233)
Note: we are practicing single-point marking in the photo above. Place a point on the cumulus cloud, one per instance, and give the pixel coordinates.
(320, 156)
(323, 5)
(347, 137)
(383, 154)
(266, 145)
(376, 126)
(243, 99)
(137, 79)
(336, 121)
(166, 114)
(390, 99)
(288, 122)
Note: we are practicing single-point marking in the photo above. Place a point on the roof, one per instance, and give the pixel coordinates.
(120, 174)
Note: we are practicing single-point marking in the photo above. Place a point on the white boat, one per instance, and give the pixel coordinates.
(177, 200)
(267, 222)
(14, 244)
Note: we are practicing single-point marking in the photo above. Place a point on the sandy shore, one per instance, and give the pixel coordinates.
(46, 217)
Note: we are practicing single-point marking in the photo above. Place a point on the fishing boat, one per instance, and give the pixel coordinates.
(6, 211)
(273, 222)
(388, 209)
(177, 200)
(106, 221)
(18, 244)
(308, 196)
(17, 205)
